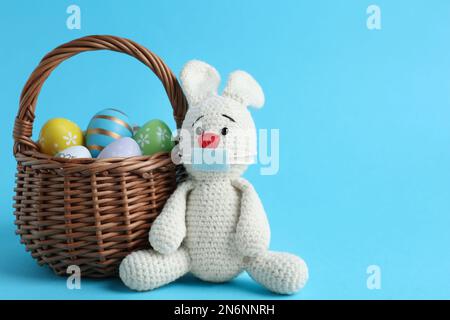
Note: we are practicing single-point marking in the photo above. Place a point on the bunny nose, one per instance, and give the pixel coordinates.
(209, 140)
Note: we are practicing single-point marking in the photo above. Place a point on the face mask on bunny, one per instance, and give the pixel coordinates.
(214, 224)
(218, 135)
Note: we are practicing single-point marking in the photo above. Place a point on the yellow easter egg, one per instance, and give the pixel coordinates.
(59, 134)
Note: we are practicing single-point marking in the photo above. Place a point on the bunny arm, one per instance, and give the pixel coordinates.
(169, 228)
(252, 231)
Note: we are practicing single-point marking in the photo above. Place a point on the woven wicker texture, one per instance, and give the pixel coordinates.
(89, 212)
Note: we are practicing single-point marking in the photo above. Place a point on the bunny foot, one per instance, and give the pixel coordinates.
(279, 272)
(147, 269)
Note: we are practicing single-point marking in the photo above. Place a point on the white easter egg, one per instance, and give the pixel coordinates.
(121, 148)
(74, 152)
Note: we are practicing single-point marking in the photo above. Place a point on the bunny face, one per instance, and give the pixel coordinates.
(218, 134)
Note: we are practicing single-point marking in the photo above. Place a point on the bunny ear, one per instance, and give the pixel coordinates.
(199, 80)
(243, 88)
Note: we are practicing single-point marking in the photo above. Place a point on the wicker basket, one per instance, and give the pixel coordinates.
(90, 213)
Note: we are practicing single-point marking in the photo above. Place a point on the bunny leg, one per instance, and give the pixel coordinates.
(279, 272)
(147, 269)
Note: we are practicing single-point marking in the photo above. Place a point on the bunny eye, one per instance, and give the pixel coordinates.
(224, 131)
(199, 130)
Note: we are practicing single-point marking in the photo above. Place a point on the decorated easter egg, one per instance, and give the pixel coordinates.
(121, 148)
(58, 134)
(106, 127)
(154, 136)
(74, 152)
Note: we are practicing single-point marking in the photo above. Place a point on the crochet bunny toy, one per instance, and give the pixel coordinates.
(214, 224)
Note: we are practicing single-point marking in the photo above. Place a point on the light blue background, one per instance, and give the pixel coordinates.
(364, 119)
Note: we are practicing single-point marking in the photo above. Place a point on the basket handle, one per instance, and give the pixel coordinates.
(23, 126)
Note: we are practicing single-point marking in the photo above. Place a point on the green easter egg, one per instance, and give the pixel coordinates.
(154, 136)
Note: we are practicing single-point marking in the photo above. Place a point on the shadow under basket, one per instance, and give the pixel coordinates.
(89, 212)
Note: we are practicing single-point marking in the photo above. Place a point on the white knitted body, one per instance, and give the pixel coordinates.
(214, 224)
(211, 226)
